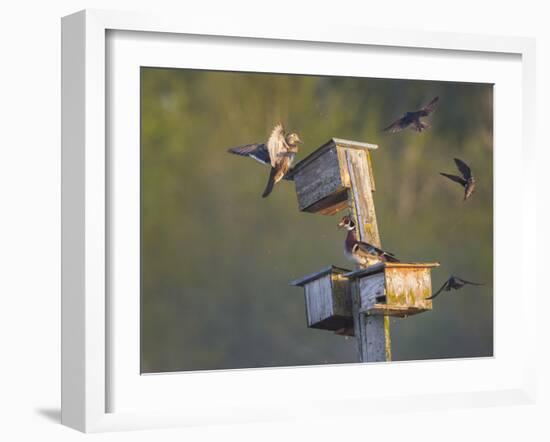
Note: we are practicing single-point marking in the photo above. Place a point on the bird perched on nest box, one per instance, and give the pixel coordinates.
(467, 179)
(455, 283)
(361, 252)
(412, 119)
(278, 152)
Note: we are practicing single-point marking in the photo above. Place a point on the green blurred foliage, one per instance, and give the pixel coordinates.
(216, 258)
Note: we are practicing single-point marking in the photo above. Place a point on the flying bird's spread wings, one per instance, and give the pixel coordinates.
(467, 179)
(257, 151)
(413, 118)
(464, 169)
(445, 286)
(455, 178)
(429, 108)
(278, 153)
(397, 125)
(454, 282)
(276, 144)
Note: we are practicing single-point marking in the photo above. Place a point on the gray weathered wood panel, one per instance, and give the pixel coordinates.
(341, 296)
(378, 338)
(362, 201)
(372, 332)
(319, 300)
(327, 299)
(371, 289)
(319, 180)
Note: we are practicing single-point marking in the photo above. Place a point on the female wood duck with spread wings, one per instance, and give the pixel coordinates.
(279, 152)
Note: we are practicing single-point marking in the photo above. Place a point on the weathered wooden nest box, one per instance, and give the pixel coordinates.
(388, 289)
(323, 178)
(328, 299)
(394, 289)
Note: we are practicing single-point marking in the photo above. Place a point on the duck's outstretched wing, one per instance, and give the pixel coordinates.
(256, 151)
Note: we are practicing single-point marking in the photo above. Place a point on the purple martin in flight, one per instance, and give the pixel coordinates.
(454, 282)
(467, 179)
(413, 119)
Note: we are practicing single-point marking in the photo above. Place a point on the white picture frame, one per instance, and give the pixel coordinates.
(87, 317)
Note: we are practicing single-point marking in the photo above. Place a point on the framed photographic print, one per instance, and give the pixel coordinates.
(251, 219)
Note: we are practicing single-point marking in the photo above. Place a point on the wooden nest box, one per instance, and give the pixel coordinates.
(328, 299)
(384, 289)
(324, 178)
(394, 289)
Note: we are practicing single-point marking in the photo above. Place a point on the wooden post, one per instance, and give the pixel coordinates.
(372, 332)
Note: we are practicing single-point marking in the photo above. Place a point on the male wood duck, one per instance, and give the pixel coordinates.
(412, 119)
(467, 179)
(361, 252)
(278, 152)
(453, 283)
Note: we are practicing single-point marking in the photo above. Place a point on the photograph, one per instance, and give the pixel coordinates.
(285, 219)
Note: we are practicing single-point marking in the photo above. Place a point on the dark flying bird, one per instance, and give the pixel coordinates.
(467, 179)
(412, 119)
(360, 252)
(278, 152)
(455, 283)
